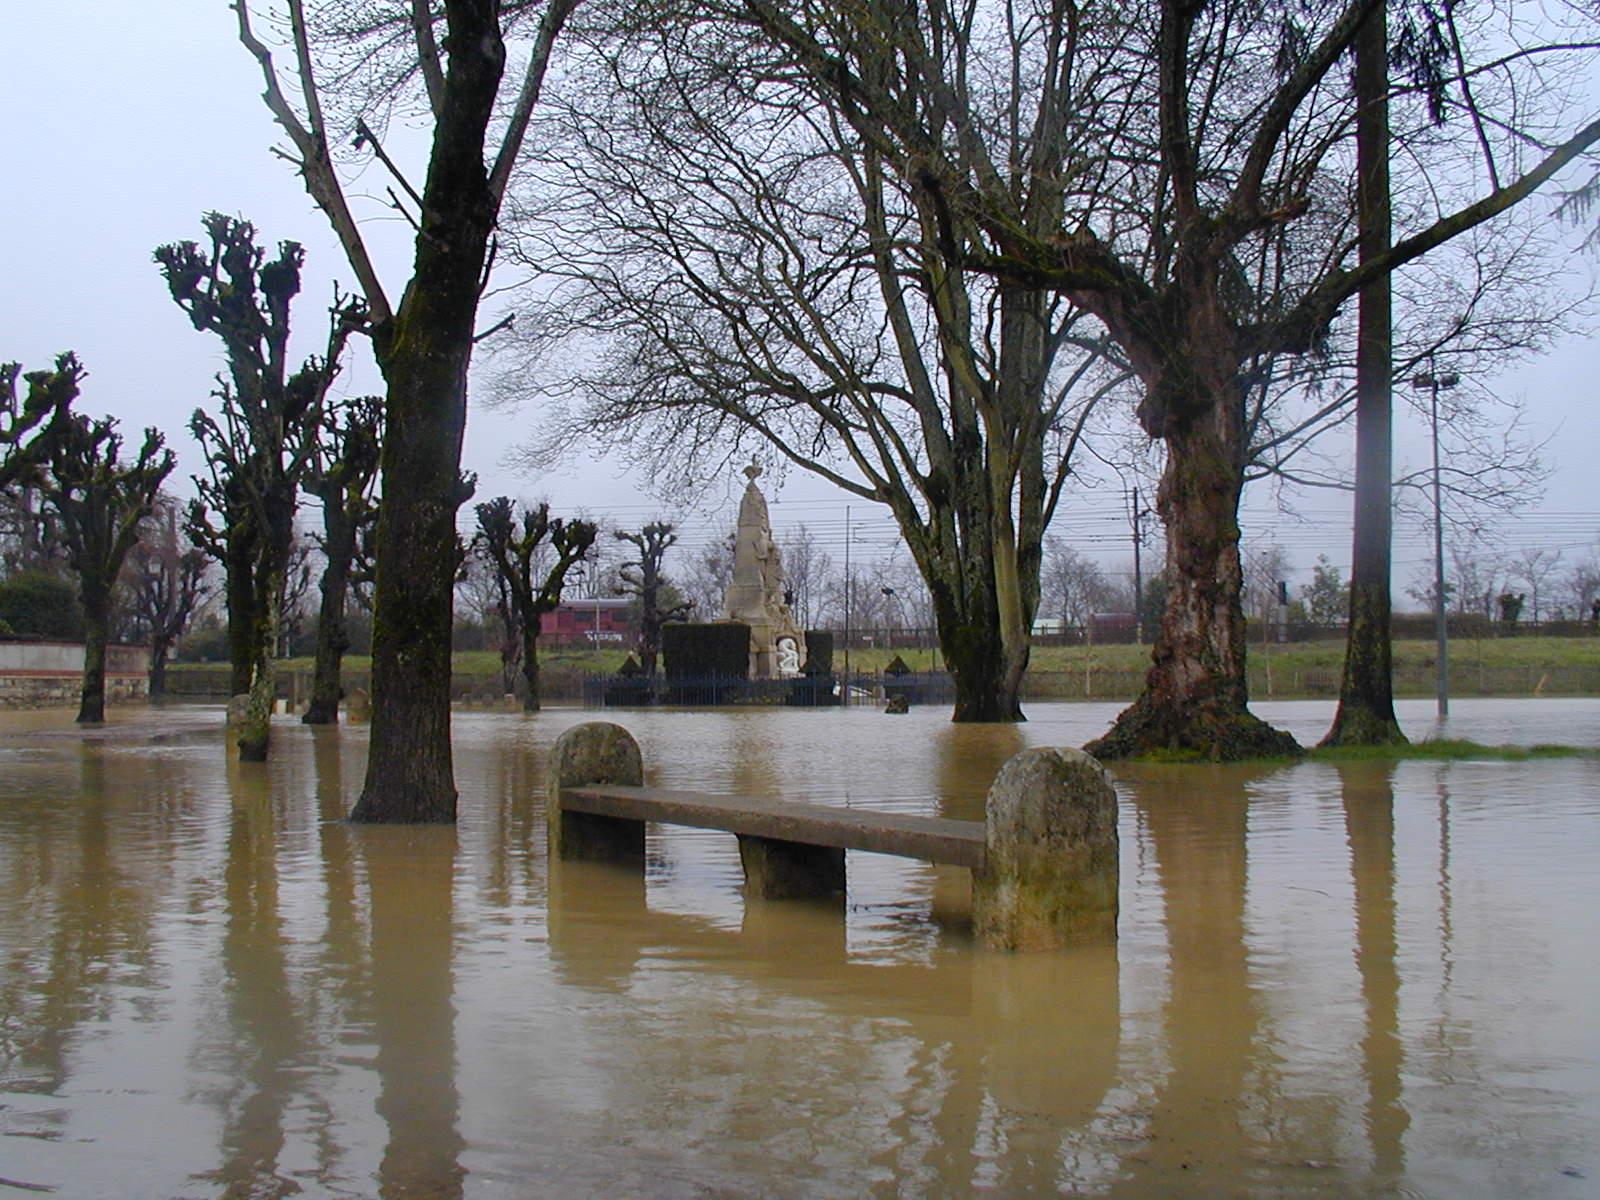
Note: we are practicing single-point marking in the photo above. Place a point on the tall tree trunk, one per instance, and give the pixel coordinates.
(243, 645)
(1366, 692)
(424, 352)
(1196, 695)
(255, 732)
(160, 647)
(92, 699)
(333, 637)
(530, 663)
(986, 672)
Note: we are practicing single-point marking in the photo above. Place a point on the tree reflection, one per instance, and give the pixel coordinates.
(1367, 791)
(260, 1038)
(411, 874)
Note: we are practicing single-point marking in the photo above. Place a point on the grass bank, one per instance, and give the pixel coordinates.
(1515, 666)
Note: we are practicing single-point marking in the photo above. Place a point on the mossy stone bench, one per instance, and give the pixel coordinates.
(1044, 860)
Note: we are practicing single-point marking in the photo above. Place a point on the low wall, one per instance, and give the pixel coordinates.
(50, 674)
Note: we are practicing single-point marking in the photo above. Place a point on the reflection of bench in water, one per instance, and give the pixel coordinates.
(1044, 862)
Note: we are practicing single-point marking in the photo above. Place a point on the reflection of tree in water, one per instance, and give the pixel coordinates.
(969, 757)
(262, 1043)
(1221, 1075)
(1368, 795)
(410, 873)
(79, 878)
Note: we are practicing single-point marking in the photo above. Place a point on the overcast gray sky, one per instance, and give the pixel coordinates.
(127, 121)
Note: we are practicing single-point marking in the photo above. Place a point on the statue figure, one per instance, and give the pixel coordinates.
(788, 658)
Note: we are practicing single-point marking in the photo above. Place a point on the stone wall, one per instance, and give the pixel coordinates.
(50, 674)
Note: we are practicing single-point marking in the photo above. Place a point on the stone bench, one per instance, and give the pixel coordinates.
(1043, 862)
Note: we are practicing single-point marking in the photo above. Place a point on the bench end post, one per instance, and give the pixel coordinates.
(595, 752)
(1050, 873)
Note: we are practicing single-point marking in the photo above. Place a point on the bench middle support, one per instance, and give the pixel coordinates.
(777, 870)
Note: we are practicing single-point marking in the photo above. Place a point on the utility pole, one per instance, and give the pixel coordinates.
(1138, 575)
(844, 694)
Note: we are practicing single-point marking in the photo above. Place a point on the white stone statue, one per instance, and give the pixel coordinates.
(788, 658)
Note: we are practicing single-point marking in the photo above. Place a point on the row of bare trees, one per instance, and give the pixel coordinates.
(273, 432)
(99, 501)
(922, 251)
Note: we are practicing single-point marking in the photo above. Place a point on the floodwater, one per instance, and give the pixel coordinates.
(1365, 980)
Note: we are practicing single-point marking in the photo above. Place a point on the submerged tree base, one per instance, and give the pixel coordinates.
(1214, 733)
(1364, 725)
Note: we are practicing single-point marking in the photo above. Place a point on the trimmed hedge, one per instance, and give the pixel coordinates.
(696, 651)
(37, 604)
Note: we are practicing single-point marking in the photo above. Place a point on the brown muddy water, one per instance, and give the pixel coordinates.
(1369, 980)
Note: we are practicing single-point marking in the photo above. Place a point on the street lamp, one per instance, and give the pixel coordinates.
(890, 594)
(1434, 384)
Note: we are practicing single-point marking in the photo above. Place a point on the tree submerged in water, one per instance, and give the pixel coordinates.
(260, 441)
(101, 503)
(530, 585)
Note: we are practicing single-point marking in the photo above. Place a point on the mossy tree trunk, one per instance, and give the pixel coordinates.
(341, 477)
(424, 357)
(96, 603)
(980, 546)
(255, 732)
(1196, 694)
(239, 591)
(530, 662)
(423, 346)
(333, 639)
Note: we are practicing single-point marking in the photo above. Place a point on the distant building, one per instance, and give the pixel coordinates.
(602, 621)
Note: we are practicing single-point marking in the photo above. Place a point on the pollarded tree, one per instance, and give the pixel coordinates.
(101, 502)
(753, 270)
(343, 470)
(1203, 222)
(642, 577)
(168, 582)
(46, 403)
(423, 343)
(260, 442)
(221, 526)
(514, 553)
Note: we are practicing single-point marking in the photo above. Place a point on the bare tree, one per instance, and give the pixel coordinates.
(1207, 226)
(1536, 567)
(529, 594)
(805, 569)
(260, 441)
(1583, 587)
(1265, 568)
(1075, 588)
(752, 269)
(643, 578)
(1476, 575)
(101, 502)
(342, 472)
(424, 343)
(705, 582)
(169, 582)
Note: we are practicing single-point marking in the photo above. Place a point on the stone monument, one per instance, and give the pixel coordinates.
(755, 594)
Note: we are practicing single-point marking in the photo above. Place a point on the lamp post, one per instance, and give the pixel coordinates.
(890, 594)
(1435, 383)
